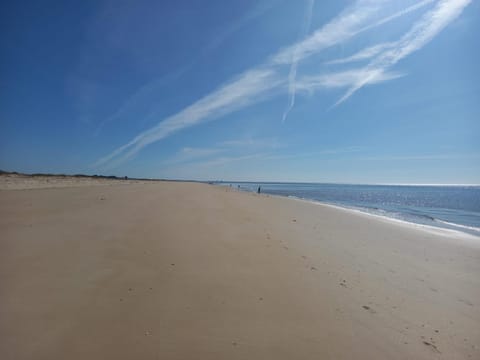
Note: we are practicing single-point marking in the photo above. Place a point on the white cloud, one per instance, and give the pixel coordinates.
(295, 59)
(344, 79)
(259, 83)
(243, 145)
(421, 33)
(363, 54)
(356, 19)
(250, 87)
(254, 165)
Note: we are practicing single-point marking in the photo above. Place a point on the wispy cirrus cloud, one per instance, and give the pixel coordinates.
(257, 84)
(358, 18)
(363, 54)
(136, 102)
(295, 59)
(421, 33)
(219, 166)
(344, 79)
(245, 145)
(247, 89)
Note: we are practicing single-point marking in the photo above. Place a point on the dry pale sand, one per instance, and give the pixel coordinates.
(192, 271)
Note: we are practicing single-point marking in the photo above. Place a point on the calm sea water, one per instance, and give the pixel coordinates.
(453, 207)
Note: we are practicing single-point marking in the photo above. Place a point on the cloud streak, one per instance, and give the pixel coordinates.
(293, 67)
(363, 54)
(421, 33)
(344, 79)
(215, 161)
(193, 154)
(136, 102)
(351, 22)
(266, 80)
(247, 89)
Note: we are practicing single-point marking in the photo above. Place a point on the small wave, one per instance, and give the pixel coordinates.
(402, 210)
(421, 219)
(410, 217)
(421, 216)
(466, 227)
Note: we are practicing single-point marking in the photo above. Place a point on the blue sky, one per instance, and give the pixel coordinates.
(367, 91)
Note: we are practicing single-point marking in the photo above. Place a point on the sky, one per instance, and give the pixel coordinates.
(359, 91)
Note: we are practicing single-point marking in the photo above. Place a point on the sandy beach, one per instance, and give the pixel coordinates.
(171, 270)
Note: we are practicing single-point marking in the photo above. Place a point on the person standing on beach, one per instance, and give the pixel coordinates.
(258, 190)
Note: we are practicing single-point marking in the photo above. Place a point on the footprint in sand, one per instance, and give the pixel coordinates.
(466, 302)
(432, 346)
(369, 309)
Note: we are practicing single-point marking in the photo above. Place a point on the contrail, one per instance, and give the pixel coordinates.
(293, 68)
(421, 33)
(248, 88)
(363, 54)
(257, 84)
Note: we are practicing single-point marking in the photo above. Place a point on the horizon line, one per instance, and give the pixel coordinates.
(5, 172)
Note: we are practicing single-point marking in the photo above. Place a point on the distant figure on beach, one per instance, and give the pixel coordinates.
(258, 190)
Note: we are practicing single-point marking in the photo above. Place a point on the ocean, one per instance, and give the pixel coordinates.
(453, 207)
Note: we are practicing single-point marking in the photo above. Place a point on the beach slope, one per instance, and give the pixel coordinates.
(170, 270)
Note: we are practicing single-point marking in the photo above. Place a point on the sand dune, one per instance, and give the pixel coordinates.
(191, 271)
(11, 181)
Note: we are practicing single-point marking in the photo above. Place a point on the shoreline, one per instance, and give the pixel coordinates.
(470, 232)
(424, 227)
(18, 181)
